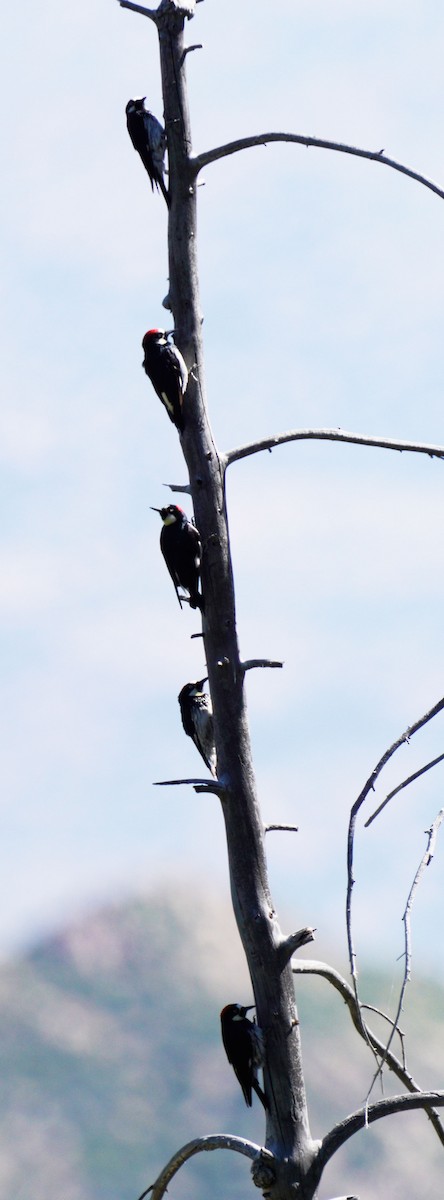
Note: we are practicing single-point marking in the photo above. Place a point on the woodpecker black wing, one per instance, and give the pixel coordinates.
(181, 549)
(191, 564)
(135, 120)
(238, 1046)
(149, 140)
(170, 564)
(165, 367)
(156, 141)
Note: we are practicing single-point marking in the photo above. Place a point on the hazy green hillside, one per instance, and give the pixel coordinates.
(111, 1059)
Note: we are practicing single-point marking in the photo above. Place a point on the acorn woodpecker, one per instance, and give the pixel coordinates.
(197, 720)
(182, 551)
(149, 139)
(165, 367)
(244, 1047)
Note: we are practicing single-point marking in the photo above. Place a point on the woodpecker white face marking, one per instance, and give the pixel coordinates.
(181, 549)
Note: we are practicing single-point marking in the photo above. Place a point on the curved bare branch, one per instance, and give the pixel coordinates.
(330, 435)
(367, 1116)
(199, 161)
(213, 1141)
(306, 966)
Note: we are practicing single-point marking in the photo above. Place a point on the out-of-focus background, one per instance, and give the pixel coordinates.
(322, 291)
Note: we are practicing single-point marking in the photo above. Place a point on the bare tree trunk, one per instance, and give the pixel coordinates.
(268, 954)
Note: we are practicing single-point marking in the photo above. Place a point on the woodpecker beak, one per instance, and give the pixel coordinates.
(199, 684)
(159, 510)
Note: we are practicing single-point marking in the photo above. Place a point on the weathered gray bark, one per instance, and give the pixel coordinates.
(288, 1134)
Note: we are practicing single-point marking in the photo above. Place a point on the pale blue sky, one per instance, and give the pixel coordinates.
(322, 288)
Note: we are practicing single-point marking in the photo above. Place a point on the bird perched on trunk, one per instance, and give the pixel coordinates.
(244, 1047)
(181, 548)
(197, 720)
(149, 139)
(165, 367)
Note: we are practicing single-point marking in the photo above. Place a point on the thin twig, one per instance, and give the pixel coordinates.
(402, 785)
(331, 435)
(286, 828)
(261, 139)
(251, 663)
(379, 1013)
(426, 859)
(201, 785)
(179, 487)
(189, 49)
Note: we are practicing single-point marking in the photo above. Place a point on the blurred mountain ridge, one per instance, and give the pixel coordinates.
(112, 1059)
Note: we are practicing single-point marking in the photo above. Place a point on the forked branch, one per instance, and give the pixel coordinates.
(405, 783)
(262, 139)
(302, 966)
(369, 786)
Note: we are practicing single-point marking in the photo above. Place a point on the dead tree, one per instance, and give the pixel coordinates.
(290, 1163)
